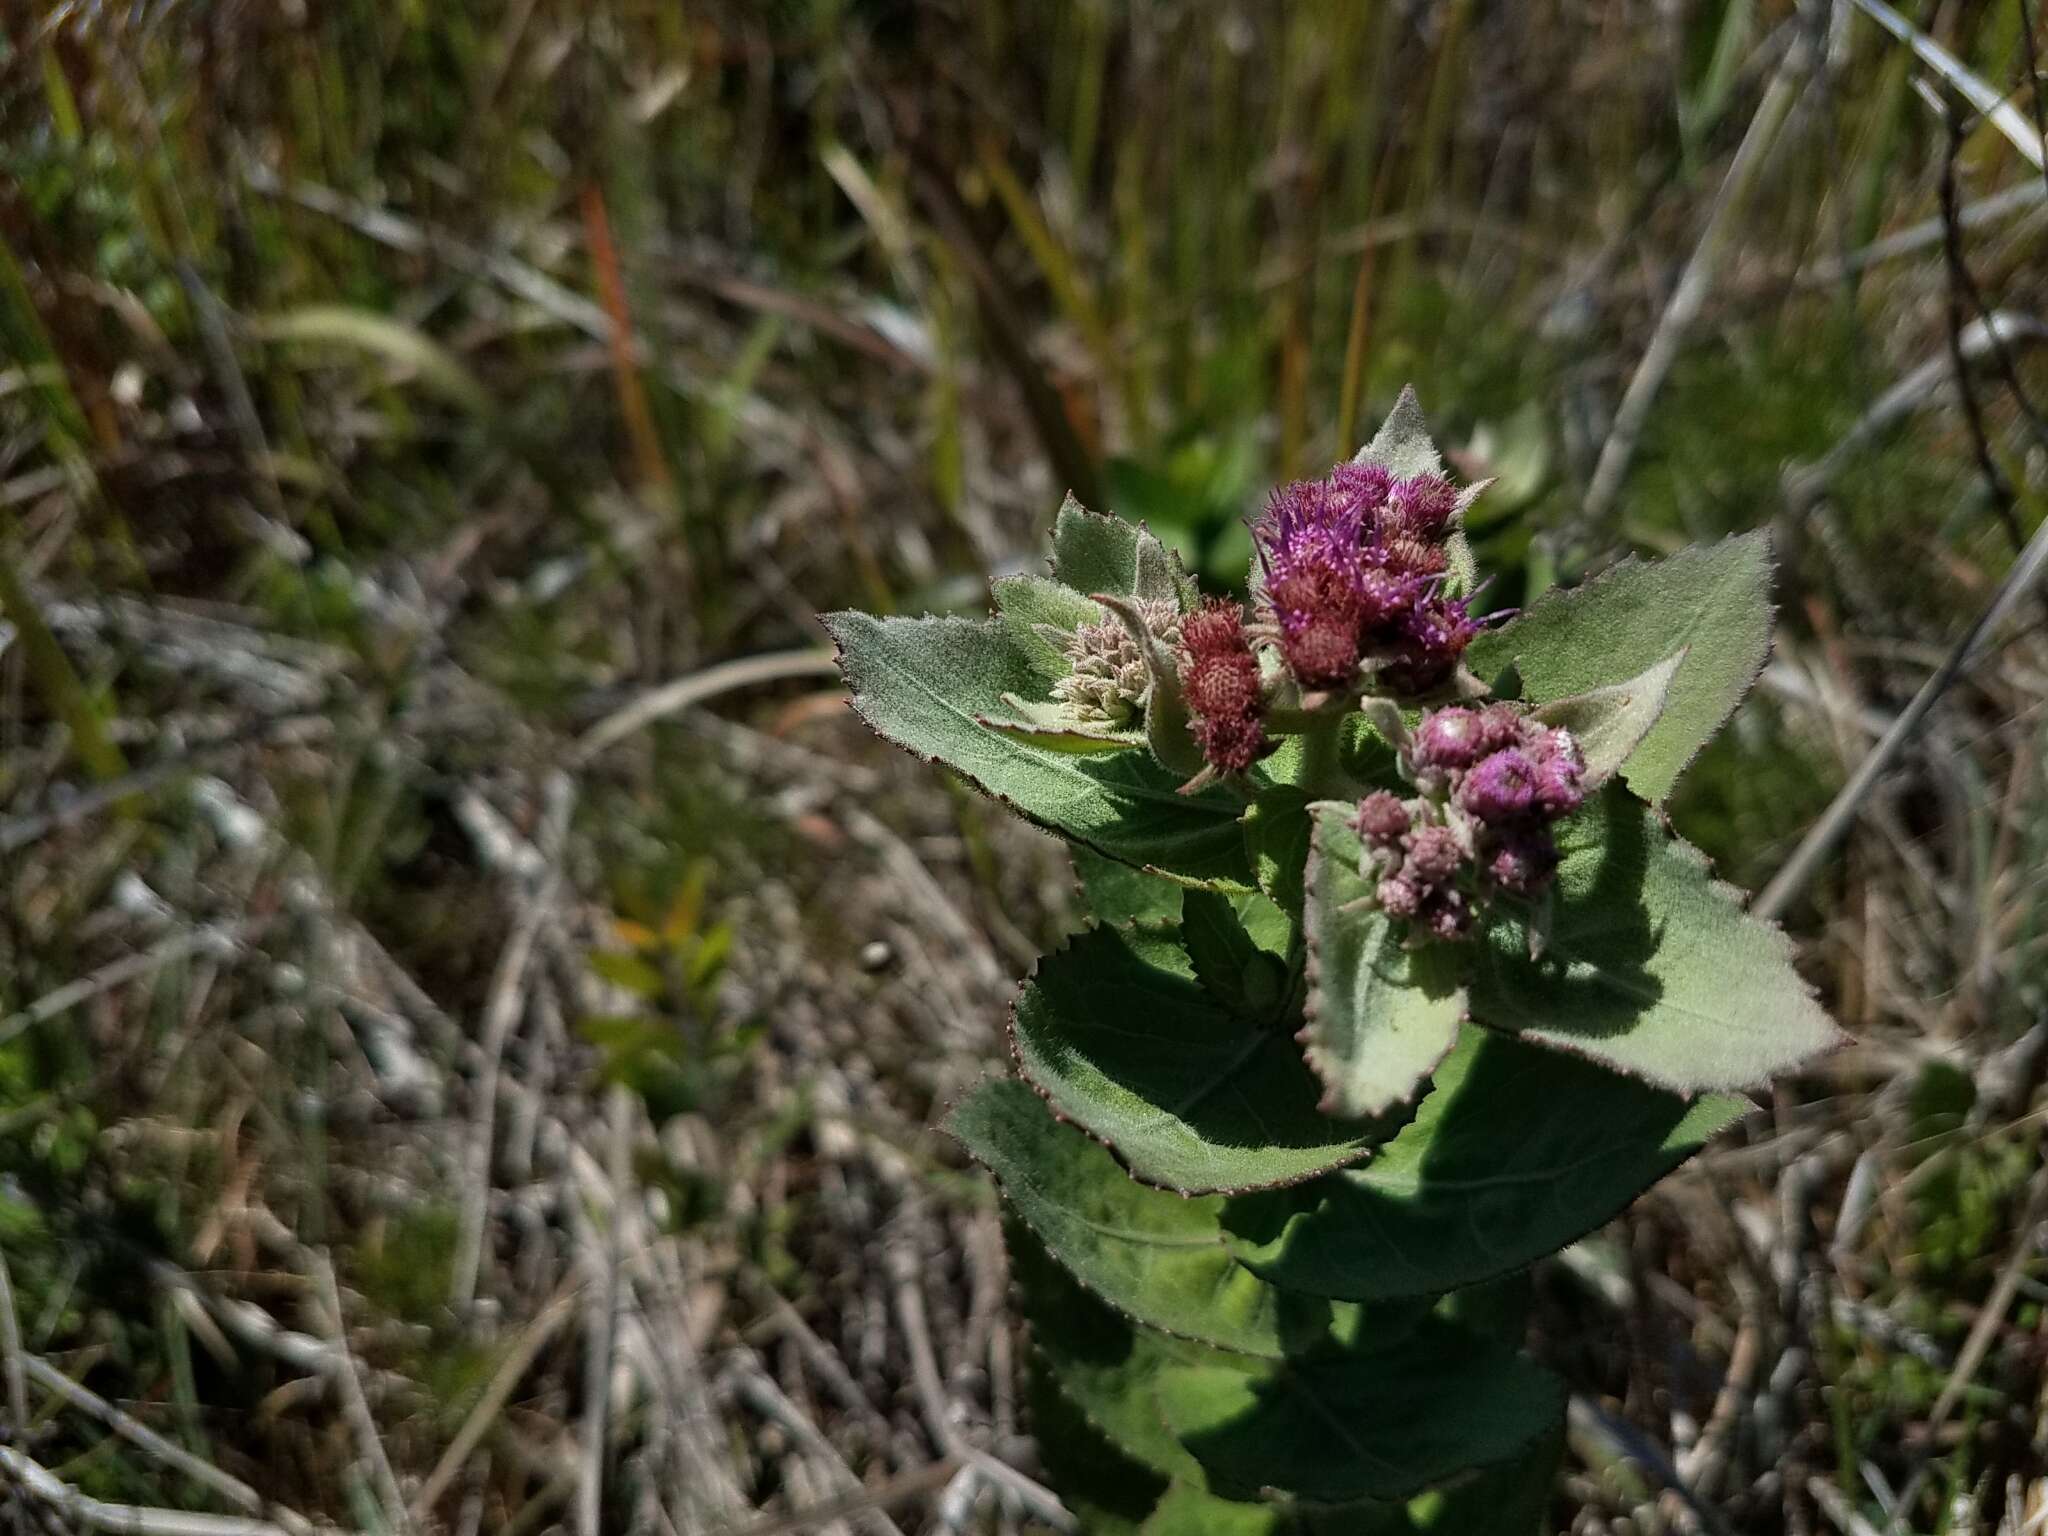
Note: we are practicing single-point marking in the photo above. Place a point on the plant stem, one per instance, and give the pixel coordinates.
(1322, 769)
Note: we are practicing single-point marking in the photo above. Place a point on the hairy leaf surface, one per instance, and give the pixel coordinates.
(1380, 1017)
(1157, 1257)
(923, 683)
(1650, 964)
(1712, 601)
(1192, 1096)
(1338, 1428)
(1516, 1152)
(1609, 723)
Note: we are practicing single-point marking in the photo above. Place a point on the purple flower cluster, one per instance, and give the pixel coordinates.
(1354, 566)
(1489, 784)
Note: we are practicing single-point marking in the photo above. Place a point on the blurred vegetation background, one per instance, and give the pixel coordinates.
(471, 999)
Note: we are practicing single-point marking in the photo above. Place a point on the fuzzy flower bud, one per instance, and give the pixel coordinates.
(1382, 819)
(1448, 915)
(1219, 677)
(1523, 864)
(1424, 504)
(1109, 680)
(1398, 897)
(1433, 855)
(1449, 738)
(1501, 788)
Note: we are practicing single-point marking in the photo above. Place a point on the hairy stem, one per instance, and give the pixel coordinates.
(1322, 768)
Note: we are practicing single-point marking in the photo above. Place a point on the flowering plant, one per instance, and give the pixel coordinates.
(1395, 981)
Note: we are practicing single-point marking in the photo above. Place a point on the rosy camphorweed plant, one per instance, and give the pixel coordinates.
(1396, 981)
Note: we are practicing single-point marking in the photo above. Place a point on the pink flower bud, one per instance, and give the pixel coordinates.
(1501, 788)
(1398, 897)
(1448, 738)
(1433, 855)
(1382, 820)
(1219, 677)
(1524, 863)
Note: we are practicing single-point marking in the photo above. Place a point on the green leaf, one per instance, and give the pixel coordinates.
(1276, 835)
(1054, 728)
(1712, 601)
(1380, 1017)
(1104, 1366)
(1187, 1511)
(1650, 964)
(1403, 446)
(1156, 1257)
(1111, 1493)
(1028, 602)
(1191, 1096)
(1610, 723)
(1508, 1500)
(1118, 895)
(1245, 979)
(922, 683)
(1335, 1429)
(1516, 1152)
(1092, 552)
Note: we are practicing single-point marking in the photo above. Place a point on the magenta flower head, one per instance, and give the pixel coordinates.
(1311, 543)
(1219, 678)
(1429, 643)
(1501, 788)
(1365, 485)
(1423, 505)
(1449, 738)
(1560, 772)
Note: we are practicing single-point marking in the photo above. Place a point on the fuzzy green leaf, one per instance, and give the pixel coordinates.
(1112, 1494)
(1248, 980)
(1276, 834)
(1192, 1096)
(922, 683)
(1516, 1152)
(1650, 964)
(1118, 895)
(1104, 1365)
(1187, 1511)
(1379, 1017)
(1336, 1428)
(1028, 602)
(1713, 601)
(1092, 552)
(1055, 728)
(1156, 1257)
(1609, 723)
(1508, 1500)
(1403, 446)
